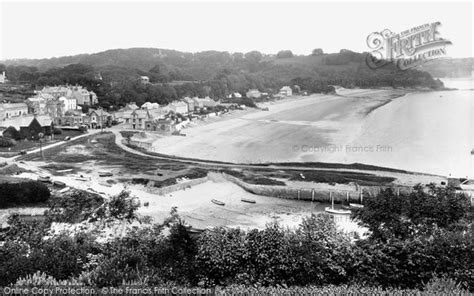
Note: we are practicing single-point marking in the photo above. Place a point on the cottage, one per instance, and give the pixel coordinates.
(3, 77)
(29, 127)
(8, 110)
(286, 91)
(150, 106)
(179, 107)
(71, 118)
(254, 94)
(161, 125)
(136, 119)
(145, 79)
(159, 113)
(190, 103)
(208, 102)
(198, 104)
(98, 118)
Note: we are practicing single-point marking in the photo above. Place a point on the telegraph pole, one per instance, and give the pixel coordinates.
(101, 121)
(41, 135)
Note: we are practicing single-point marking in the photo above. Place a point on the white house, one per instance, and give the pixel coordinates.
(179, 107)
(3, 77)
(9, 110)
(254, 93)
(286, 91)
(69, 103)
(150, 106)
(145, 79)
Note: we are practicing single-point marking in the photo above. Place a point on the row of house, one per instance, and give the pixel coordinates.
(81, 95)
(27, 127)
(93, 119)
(152, 116)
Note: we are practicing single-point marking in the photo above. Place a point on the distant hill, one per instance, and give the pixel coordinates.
(174, 74)
(450, 67)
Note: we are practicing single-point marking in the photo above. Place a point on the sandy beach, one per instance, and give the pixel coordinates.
(284, 133)
(426, 132)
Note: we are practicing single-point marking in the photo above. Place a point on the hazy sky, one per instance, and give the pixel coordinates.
(46, 29)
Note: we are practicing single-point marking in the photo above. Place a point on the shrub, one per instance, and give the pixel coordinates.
(57, 131)
(12, 133)
(31, 192)
(75, 207)
(7, 142)
(41, 279)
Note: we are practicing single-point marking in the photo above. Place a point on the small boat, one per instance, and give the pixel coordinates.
(336, 211)
(248, 200)
(332, 210)
(218, 202)
(45, 179)
(59, 183)
(81, 179)
(105, 184)
(195, 230)
(64, 190)
(105, 174)
(356, 205)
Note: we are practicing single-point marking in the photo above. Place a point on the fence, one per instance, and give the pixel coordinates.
(311, 194)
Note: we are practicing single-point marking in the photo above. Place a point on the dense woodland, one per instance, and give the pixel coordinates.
(176, 74)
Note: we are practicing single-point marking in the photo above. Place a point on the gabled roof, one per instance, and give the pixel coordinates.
(141, 113)
(24, 121)
(99, 112)
(5, 106)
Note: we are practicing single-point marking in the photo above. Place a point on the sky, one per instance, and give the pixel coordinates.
(51, 29)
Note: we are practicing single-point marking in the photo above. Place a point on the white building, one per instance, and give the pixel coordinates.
(179, 107)
(150, 106)
(3, 77)
(145, 79)
(254, 93)
(286, 91)
(70, 104)
(9, 110)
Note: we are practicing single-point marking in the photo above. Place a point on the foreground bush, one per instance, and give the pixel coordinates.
(314, 256)
(23, 193)
(7, 142)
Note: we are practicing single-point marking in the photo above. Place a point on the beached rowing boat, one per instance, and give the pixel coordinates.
(356, 205)
(332, 210)
(64, 190)
(105, 174)
(45, 179)
(59, 183)
(218, 202)
(248, 200)
(337, 212)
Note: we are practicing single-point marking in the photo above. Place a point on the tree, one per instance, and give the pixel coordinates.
(12, 133)
(123, 206)
(284, 54)
(317, 52)
(389, 215)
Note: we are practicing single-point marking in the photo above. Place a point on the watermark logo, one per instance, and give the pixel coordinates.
(407, 49)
